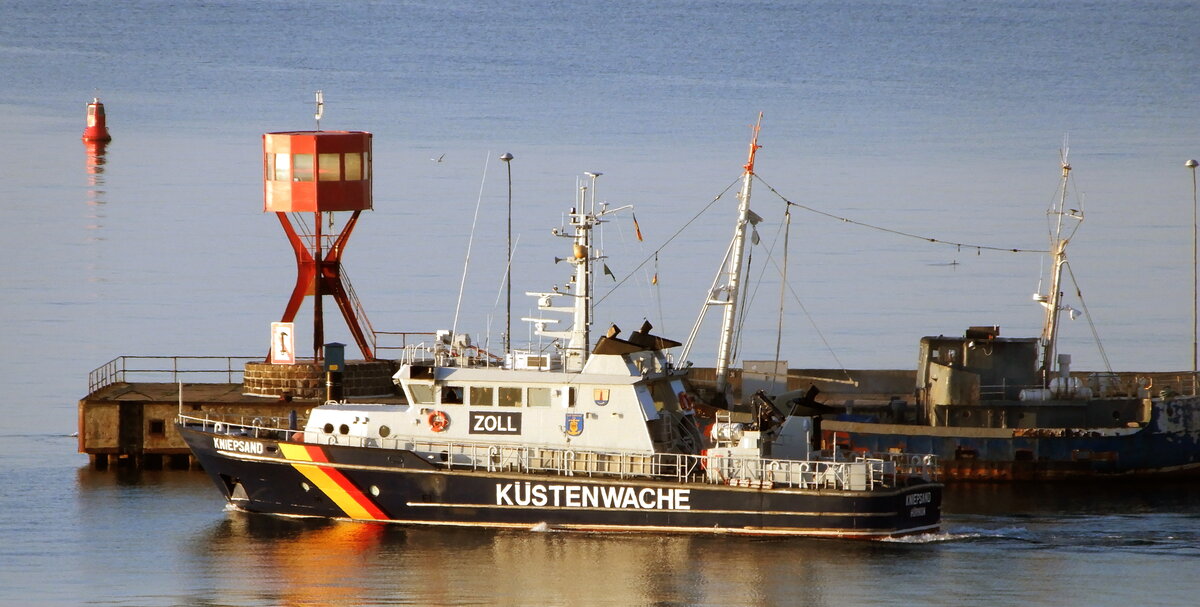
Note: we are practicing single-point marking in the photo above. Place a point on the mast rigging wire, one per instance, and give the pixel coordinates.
(977, 247)
(470, 241)
(1086, 313)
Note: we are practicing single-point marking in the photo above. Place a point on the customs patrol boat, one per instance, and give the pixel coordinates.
(601, 437)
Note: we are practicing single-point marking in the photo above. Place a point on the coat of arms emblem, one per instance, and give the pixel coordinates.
(574, 424)
(600, 396)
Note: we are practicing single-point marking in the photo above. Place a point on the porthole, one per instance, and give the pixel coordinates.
(328, 428)
(305, 487)
(375, 490)
(384, 432)
(344, 429)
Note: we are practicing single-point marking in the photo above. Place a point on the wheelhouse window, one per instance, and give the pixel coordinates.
(482, 396)
(452, 395)
(510, 397)
(539, 397)
(662, 394)
(421, 393)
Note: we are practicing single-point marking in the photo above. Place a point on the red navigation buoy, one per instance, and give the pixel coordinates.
(96, 129)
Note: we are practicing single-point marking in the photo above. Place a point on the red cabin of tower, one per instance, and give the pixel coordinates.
(316, 171)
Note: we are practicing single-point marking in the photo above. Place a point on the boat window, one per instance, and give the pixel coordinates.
(354, 166)
(279, 166)
(539, 397)
(329, 167)
(302, 167)
(510, 397)
(662, 394)
(328, 428)
(421, 393)
(452, 395)
(384, 432)
(482, 396)
(571, 397)
(344, 429)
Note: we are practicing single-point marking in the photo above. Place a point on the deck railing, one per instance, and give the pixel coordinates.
(859, 473)
(129, 368)
(1124, 384)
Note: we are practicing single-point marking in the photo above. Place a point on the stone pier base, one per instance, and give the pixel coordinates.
(305, 380)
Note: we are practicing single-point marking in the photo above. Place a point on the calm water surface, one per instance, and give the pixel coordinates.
(940, 119)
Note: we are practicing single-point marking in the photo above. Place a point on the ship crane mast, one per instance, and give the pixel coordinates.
(1052, 300)
(726, 288)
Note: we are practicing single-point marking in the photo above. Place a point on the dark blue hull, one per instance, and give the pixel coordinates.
(1167, 445)
(296, 479)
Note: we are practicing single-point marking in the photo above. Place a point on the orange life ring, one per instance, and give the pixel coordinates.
(685, 402)
(439, 421)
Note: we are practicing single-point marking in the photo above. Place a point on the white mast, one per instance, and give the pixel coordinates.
(1052, 301)
(578, 337)
(727, 294)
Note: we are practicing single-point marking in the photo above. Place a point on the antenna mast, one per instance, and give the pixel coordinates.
(1058, 247)
(733, 270)
(320, 108)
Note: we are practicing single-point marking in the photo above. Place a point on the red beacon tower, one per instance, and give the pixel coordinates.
(308, 176)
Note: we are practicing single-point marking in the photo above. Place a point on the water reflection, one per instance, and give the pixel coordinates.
(96, 193)
(288, 561)
(272, 560)
(993, 535)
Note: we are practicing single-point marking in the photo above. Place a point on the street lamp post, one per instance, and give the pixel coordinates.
(1191, 164)
(507, 158)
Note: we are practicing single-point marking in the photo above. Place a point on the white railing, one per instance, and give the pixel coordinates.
(862, 473)
(168, 369)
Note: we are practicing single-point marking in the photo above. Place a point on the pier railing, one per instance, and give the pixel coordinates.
(862, 472)
(1121, 384)
(172, 369)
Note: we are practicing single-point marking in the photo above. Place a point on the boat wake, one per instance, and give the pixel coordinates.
(966, 534)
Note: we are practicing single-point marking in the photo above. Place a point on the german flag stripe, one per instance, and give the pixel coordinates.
(331, 482)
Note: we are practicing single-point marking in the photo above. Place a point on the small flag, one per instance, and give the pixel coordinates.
(637, 229)
(654, 280)
(609, 272)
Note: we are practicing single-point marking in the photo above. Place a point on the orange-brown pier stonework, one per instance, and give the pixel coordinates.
(307, 380)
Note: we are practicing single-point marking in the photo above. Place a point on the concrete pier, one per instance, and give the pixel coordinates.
(128, 418)
(126, 422)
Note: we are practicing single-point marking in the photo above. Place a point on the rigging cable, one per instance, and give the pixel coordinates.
(654, 254)
(977, 247)
(787, 228)
(811, 321)
(1083, 304)
(470, 241)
